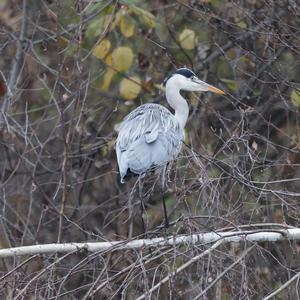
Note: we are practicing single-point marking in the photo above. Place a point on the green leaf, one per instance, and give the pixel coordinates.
(145, 16)
(96, 27)
(242, 24)
(231, 84)
(161, 30)
(295, 97)
(216, 3)
(99, 6)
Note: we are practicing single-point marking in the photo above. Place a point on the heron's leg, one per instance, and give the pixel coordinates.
(163, 187)
(140, 181)
(130, 211)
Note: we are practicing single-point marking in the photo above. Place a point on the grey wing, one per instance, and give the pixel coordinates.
(149, 136)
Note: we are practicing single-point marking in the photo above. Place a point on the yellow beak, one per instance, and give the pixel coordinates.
(215, 90)
(203, 86)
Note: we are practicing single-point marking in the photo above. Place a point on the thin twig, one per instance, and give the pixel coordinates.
(145, 261)
(178, 270)
(224, 272)
(66, 137)
(18, 267)
(221, 50)
(15, 65)
(284, 286)
(22, 292)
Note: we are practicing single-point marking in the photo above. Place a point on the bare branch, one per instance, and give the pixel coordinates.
(178, 270)
(16, 64)
(202, 238)
(284, 286)
(224, 272)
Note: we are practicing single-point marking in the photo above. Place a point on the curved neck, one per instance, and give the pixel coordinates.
(177, 102)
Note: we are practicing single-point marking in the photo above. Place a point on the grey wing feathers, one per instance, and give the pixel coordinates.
(149, 136)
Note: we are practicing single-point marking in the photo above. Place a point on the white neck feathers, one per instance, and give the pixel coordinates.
(176, 101)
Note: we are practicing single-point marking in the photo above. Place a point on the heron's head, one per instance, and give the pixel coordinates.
(185, 79)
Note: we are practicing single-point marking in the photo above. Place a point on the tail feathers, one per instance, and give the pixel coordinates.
(125, 172)
(128, 176)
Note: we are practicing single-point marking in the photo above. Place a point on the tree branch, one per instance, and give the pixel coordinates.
(15, 65)
(242, 37)
(284, 286)
(178, 270)
(224, 272)
(264, 235)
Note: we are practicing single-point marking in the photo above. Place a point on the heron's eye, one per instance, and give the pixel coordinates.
(192, 77)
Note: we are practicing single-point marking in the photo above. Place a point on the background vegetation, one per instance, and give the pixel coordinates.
(71, 70)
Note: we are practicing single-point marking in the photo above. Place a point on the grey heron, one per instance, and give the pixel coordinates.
(150, 136)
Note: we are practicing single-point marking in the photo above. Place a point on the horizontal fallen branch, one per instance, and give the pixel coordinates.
(262, 235)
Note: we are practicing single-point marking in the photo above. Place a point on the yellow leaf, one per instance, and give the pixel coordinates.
(122, 59)
(187, 39)
(130, 88)
(107, 78)
(242, 24)
(108, 59)
(146, 16)
(126, 26)
(105, 151)
(102, 48)
(62, 42)
(295, 97)
(108, 75)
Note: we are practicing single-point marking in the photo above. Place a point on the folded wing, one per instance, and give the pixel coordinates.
(149, 137)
